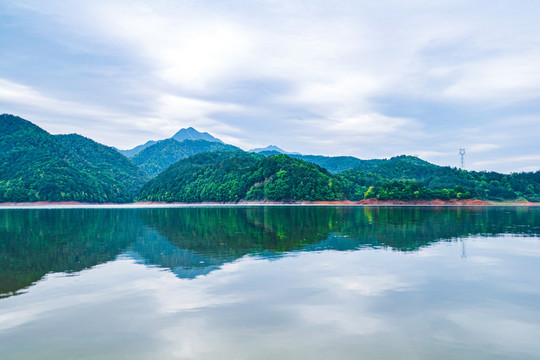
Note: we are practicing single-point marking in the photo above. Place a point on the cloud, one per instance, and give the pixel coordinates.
(14, 93)
(169, 115)
(350, 133)
(506, 79)
(519, 163)
(300, 74)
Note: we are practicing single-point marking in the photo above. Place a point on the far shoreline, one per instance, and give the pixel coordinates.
(361, 203)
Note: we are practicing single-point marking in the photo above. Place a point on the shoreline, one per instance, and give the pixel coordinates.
(365, 202)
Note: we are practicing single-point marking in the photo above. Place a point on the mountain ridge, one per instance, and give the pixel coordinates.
(158, 157)
(273, 149)
(183, 134)
(38, 166)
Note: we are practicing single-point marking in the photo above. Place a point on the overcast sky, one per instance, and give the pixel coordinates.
(371, 79)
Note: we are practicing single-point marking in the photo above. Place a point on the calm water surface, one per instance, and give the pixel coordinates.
(270, 283)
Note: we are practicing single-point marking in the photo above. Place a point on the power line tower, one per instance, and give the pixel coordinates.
(462, 153)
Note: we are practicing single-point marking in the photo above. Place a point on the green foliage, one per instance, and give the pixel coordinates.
(156, 158)
(211, 176)
(35, 166)
(107, 160)
(233, 176)
(286, 178)
(408, 190)
(356, 183)
(334, 164)
(440, 182)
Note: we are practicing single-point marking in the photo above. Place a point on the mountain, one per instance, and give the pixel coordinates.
(234, 176)
(334, 164)
(272, 150)
(137, 149)
(164, 153)
(285, 178)
(35, 166)
(401, 176)
(192, 134)
(269, 148)
(107, 160)
(183, 134)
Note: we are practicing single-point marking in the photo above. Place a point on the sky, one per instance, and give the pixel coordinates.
(371, 79)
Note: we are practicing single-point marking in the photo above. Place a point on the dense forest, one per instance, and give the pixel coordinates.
(334, 164)
(37, 166)
(158, 157)
(410, 178)
(107, 160)
(237, 175)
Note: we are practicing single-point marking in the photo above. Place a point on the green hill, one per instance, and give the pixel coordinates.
(401, 176)
(137, 149)
(234, 176)
(334, 164)
(285, 178)
(35, 166)
(107, 160)
(156, 158)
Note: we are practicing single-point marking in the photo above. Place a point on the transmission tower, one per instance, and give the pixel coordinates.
(462, 153)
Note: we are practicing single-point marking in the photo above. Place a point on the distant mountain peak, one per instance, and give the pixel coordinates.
(192, 134)
(183, 134)
(273, 148)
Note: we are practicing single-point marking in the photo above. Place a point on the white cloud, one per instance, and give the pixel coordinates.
(14, 93)
(518, 163)
(168, 116)
(232, 72)
(478, 148)
(506, 79)
(369, 134)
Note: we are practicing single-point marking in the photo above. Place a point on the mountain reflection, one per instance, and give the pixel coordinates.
(236, 231)
(39, 241)
(194, 241)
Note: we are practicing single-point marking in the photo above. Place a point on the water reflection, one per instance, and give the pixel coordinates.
(36, 242)
(197, 240)
(394, 284)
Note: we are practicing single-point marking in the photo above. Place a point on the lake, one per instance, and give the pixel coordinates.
(274, 282)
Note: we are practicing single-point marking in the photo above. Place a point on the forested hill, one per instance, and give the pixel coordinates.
(107, 160)
(137, 149)
(156, 158)
(334, 164)
(237, 175)
(35, 166)
(391, 177)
